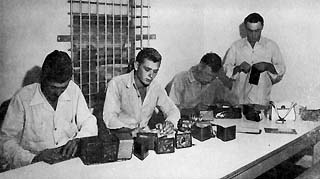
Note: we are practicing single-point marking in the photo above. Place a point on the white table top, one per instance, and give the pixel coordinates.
(212, 158)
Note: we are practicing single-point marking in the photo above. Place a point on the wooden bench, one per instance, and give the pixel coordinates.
(311, 173)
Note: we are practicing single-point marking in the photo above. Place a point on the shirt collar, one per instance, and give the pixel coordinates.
(190, 74)
(261, 42)
(39, 98)
(131, 80)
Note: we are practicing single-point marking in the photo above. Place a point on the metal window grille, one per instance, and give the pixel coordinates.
(105, 37)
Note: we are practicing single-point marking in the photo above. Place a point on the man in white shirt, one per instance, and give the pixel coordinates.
(254, 63)
(132, 98)
(42, 117)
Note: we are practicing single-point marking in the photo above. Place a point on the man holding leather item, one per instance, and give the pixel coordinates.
(203, 85)
(132, 98)
(45, 121)
(254, 63)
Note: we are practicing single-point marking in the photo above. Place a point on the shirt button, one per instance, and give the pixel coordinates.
(55, 129)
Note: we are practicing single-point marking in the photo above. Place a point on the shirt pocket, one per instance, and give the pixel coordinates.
(264, 55)
(38, 125)
(37, 132)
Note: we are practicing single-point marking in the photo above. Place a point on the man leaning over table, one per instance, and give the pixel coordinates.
(203, 85)
(42, 117)
(132, 98)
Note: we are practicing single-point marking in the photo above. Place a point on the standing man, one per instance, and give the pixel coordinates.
(255, 63)
(42, 117)
(132, 98)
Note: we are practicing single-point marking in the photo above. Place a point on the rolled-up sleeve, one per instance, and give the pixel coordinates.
(229, 62)
(11, 133)
(278, 63)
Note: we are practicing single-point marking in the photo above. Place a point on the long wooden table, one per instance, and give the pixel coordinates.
(247, 156)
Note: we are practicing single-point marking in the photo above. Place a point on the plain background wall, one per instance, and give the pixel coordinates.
(293, 24)
(185, 29)
(28, 32)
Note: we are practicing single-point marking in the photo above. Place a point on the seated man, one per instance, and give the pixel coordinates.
(131, 98)
(42, 117)
(202, 85)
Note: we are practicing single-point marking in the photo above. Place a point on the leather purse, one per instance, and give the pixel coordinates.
(251, 113)
(99, 149)
(226, 112)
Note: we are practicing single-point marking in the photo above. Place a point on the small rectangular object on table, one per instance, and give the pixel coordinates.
(99, 149)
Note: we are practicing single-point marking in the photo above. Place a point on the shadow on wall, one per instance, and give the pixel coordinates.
(242, 30)
(32, 76)
(242, 33)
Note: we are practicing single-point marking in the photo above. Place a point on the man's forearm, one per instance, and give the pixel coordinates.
(227, 82)
(16, 155)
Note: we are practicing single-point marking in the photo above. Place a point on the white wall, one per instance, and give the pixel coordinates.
(293, 24)
(179, 26)
(185, 29)
(29, 32)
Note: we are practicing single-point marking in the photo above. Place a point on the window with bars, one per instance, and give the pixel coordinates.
(105, 37)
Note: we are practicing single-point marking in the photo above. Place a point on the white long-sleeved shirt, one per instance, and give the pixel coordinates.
(123, 106)
(265, 50)
(32, 125)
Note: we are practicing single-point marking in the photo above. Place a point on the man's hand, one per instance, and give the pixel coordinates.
(70, 149)
(227, 82)
(135, 131)
(265, 66)
(245, 67)
(48, 155)
(201, 107)
(168, 127)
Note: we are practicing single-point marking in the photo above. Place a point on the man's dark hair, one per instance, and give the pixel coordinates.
(213, 60)
(150, 54)
(57, 67)
(253, 18)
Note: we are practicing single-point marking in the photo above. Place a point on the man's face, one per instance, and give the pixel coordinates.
(147, 71)
(52, 90)
(205, 76)
(253, 31)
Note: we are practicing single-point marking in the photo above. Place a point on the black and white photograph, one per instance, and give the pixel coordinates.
(219, 89)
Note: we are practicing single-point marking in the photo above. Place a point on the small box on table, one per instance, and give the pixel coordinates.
(185, 124)
(183, 139)
(141, 150)
(149, 138)
(226, 133)
(125, 146)
(99, 149)
(202, 131)
(164, 145)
